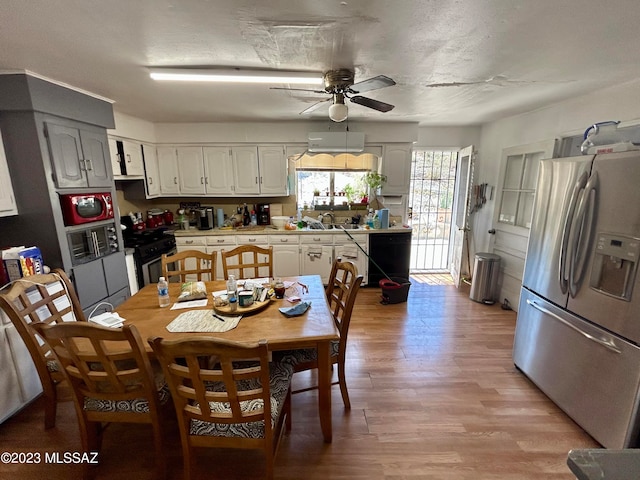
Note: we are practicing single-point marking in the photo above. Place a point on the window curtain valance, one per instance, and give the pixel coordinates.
(359, 162)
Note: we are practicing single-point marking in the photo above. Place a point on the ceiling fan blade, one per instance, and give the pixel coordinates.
(371, 103)
(298, 89)
(314, 107)
(374, 83)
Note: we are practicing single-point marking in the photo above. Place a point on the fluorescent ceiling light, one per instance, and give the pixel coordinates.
(236, 76)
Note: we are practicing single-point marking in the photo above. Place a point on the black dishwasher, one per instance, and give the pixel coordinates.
(392, 252)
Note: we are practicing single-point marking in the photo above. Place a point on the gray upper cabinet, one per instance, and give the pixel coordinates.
(80, 158)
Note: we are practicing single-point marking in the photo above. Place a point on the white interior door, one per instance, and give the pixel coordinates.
(512, 215)
(460, 221)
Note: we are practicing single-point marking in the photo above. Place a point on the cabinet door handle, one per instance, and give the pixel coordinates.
(284, 240)
(201, 180)
(83, 165)
(206, 180)
(189, 242)
(128, 158)
(256, 180)
(252, 239)
(220, 240)
(175, 180)
(316, 239)
(150, 180)
(260, 180)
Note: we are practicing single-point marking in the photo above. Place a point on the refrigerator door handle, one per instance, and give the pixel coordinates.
(565, 247)
(608, 344)
(583, 226)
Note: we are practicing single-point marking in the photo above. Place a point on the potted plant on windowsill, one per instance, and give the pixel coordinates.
(374, 180)
(355, 196)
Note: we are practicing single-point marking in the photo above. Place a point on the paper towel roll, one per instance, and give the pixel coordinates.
(220, 215)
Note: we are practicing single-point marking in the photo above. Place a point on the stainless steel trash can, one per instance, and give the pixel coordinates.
(485, 278)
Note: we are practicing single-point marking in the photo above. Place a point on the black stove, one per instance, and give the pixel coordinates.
(151, 243)
(148, 247)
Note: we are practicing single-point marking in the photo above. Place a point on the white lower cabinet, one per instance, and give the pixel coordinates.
(293, 254)
(286, 255)
(317, 260)
(217, 244)
(347, 249)
(191, 243)
(19, 381)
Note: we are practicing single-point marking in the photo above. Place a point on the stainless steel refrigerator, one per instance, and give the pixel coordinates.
(578, 324)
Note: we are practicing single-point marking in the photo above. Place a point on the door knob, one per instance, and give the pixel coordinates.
(492, 231)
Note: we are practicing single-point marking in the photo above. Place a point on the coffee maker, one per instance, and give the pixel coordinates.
(204, 218)
(264, 218)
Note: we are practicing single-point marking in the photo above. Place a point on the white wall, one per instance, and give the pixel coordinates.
(570, 117)
(133, 128)
(279, 132)
(448, 137)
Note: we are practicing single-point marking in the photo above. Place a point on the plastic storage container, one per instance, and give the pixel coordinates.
(485, 278)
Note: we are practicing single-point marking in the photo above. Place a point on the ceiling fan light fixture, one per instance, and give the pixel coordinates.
(338, 111)
(236, 75)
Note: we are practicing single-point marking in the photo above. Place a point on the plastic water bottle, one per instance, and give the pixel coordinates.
(232, 288)
(163, 293)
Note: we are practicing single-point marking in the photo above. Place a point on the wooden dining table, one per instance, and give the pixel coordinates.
(314, 329)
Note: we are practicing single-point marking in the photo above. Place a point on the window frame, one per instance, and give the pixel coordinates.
(543, 149)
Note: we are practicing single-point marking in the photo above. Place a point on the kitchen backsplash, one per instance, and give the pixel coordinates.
(131, 198)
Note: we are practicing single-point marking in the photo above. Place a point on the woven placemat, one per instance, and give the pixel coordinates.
(203, 321)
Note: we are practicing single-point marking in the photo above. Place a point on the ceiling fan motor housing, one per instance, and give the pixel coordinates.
(338, 80)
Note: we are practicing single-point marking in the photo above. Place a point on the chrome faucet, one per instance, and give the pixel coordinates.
(330, 214)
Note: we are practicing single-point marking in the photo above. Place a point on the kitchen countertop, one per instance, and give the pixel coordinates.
(272, 231)
(603, 464)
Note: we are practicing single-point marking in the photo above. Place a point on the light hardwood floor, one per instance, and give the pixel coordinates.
(434, 395)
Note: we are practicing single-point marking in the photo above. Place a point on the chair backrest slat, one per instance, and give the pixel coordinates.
(249, 261)
(341, 291)
(102, 363)
(215, 393)
(189, 265)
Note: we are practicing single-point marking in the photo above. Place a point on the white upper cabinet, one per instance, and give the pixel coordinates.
(133, 158)
(218, 171)
(191, 170)
(114, 155)
(396, 166)
(152, 172)
(168, 168)
(245, 170)
(7, 200)
(273, 170)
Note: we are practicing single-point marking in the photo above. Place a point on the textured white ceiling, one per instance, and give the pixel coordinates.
(456, 62)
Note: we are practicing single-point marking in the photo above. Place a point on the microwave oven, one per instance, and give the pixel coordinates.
(86, 207)
(90, 243)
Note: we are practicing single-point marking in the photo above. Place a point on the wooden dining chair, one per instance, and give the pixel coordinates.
(239, 400)
(189, 265)
(341, 291)
(48, 298)
(112, 380)
(249, 261)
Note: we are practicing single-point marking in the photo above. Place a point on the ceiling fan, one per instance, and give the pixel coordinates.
(339, 84)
